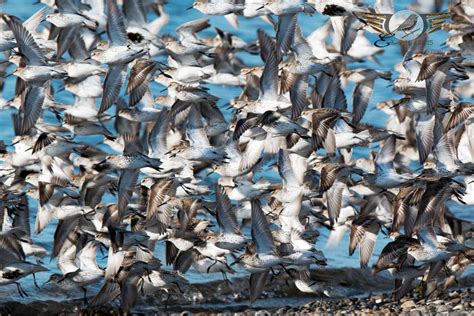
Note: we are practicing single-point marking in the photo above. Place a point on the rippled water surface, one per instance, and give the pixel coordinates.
(337, 257)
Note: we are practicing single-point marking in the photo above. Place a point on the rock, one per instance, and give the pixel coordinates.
(408, 304)
(453, 294)
(442, 308)
(377, 299)
(458, 307)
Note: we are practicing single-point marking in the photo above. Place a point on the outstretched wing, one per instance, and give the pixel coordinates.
(377, 21)
(435, 21)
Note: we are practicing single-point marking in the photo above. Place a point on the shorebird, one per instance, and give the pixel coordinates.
(263, 258)
(386, 176)
(212, 7)
(230, 237)
(86, 273)
(68, 19)
(364, 230)
(116, 56)
(429, 250)
(13, 266)
(132, 161)
(252, 128)
(306, 285)
(407, 25)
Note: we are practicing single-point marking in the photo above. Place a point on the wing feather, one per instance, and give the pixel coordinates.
(224, 212)
(116, 30)
(261, 234)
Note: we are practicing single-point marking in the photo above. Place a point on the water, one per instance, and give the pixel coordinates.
(337, 257)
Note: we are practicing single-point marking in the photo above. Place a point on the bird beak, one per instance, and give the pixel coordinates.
(260, 8)
(191, 7)
(13, 144)
(235, 262)
(89, 215)
(88, 231)
(211, 172)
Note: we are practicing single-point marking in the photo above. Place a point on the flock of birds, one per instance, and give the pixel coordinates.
(184, 176)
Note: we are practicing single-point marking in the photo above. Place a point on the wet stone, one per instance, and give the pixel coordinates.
(408, 304)
(458, 307)
(442, 308)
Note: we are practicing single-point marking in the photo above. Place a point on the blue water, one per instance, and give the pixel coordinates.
(337, 257)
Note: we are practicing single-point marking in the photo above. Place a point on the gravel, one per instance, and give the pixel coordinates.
(360, 293)
(459, 301)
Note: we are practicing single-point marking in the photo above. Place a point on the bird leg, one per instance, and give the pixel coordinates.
(34, 281)
(24, 292)
(141, 286)
(167, 300)
(148, 275)
(286, 270)
(429, 294)
(274, 274)
(21, 291)
(224, 276)
(213, 264)
(85, 295)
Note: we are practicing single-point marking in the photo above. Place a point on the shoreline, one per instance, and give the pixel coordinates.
(358, 295)
(456, 301)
